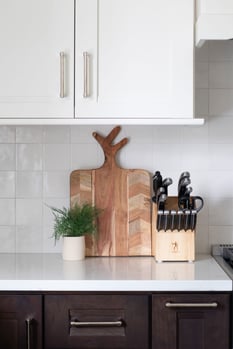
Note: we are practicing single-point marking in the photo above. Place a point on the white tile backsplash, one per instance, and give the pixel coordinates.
(29, 157)
(36, 161)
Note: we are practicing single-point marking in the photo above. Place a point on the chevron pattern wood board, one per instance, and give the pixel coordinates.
(124, 195)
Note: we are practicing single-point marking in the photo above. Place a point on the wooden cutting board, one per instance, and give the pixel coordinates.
(124, 195)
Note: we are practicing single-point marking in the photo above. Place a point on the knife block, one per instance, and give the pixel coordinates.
(172, 245)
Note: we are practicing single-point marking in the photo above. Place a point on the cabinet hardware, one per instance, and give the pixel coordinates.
(191, 305)
(62, 74)
(28, 332)
(96, 323)
(86, 92)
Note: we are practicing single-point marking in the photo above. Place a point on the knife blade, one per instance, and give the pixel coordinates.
(187, 219)
(179, 219)
(193, 219)
(172, 215)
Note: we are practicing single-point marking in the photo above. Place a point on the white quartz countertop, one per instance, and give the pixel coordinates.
(48, 272)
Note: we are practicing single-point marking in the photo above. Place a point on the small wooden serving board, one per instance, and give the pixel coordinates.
(124, 195)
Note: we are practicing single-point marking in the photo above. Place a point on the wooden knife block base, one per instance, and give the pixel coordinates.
(172, 245)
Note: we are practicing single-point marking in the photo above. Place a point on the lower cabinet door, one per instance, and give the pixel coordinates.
(96, 321)
(191, 321)
(20, 322)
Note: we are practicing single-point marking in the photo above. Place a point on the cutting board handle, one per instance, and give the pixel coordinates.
(110, 149)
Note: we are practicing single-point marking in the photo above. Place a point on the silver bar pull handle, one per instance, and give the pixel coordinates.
(62, 74)
(96, 323)
(191, 305)
(86, 87)
(28, 332)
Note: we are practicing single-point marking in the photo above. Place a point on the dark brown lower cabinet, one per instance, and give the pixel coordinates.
(191, 321)
(20, 321)
(96, 321)
(115, 321)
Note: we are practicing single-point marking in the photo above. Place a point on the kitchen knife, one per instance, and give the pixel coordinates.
(173, 216)
(157, 181)
(161, 201)
(193, 219)
(179, 220)
(166, 216)
(165, 184)
(187, 214)
(183, 186)
(159, 220)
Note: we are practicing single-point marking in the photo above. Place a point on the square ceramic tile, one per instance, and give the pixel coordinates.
(220, 129)
(48, 218)
(136, 134)
(167, 157)
(56, 134)
(194, 135)
(29, 134)
(7, 134)
(56, 157)
(194, 156)
(29, 184)
(49, 245)
(7, 209)
(166, 134)
(29, 157)
(220, 156)
(220, 235)
(7, 239)
(202, 75)
(7, 184)
(56, 184)
(220, 184)
(202, 239)
(139, 156)
(201, 102)
(85, 156)
(83, 134)
(220, 211)
(29, 212)
(202, 53)
(221, 74)
(29, 239)
(220, 102)
(7, 157)
(220, 50)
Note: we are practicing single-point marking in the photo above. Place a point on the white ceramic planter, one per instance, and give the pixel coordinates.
(73, 248)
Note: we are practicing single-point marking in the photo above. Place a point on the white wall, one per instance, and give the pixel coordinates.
(35, 162)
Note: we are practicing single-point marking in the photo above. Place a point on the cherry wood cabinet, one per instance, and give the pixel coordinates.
(20, 321)
(193, 321)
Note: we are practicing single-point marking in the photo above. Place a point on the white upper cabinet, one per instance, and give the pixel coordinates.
(37, 58)
(214, 20)
(134, 59)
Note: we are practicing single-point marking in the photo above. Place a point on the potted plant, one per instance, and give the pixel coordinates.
(73, 224)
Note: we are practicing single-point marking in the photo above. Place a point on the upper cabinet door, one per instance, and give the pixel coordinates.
(37, 58)
(134, 58)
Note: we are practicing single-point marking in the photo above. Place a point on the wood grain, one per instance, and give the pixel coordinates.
(124, 226)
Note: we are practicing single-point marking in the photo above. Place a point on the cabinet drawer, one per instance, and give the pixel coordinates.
(96, 321)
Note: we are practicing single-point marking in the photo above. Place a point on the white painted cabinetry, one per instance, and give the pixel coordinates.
(33, 33)
(96, 61)
(139, 59)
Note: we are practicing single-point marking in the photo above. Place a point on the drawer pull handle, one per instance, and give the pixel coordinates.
(86, 92)
(62, 74)
(191, 305)
(28, 332)
(96, 323)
